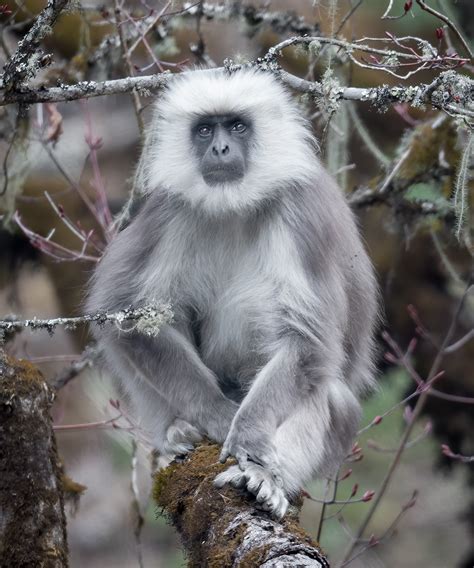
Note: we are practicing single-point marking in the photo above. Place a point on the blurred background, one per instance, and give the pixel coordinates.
(57, 158)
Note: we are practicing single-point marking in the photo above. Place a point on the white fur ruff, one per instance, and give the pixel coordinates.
(282, 147)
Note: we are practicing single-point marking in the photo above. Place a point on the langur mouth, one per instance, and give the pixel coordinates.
(219, 176)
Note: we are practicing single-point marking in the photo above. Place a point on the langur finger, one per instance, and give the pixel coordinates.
(242, 459)
(224, 455)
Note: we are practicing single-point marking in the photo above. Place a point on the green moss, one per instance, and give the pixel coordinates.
(202, 514)
(161, 481)
(72, 490)
(29, 465)
(427, 142)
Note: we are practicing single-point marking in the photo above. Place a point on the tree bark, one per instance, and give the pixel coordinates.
(32, 519)
(220, 528)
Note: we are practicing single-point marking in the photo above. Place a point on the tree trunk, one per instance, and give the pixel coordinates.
(32, 519)
(220, 528)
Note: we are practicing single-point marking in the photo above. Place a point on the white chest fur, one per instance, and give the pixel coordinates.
(235, 276)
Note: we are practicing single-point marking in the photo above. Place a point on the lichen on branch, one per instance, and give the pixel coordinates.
(221, 528)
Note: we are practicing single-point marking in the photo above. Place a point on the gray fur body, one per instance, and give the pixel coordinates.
(271, 345)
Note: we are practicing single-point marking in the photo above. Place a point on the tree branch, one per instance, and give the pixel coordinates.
(454, 100)
(221, 527)
(25, 63)
(32, 520)
(147, 319)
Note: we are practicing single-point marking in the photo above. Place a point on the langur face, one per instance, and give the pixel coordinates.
(222, 144)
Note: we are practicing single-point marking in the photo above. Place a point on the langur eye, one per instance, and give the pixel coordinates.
(204, 130)
(238, 126)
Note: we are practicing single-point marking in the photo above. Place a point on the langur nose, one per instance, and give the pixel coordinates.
(220, 150)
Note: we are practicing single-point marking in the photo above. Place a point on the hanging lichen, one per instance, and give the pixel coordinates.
(461, 190)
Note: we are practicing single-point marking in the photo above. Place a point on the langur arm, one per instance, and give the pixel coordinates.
(279, 389)
(170, 365)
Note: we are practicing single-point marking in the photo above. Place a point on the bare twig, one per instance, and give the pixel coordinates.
(128, 62)
(386, 60)
(53, 249)
(459, 457)
(137, 514)
(424, 6)
(434, 371)
(403, 359)
(348, 16)
(87, 358)
(386, 184)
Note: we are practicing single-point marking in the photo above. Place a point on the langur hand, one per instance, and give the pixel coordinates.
(257, 469)
(181, 437)
(268, 492)
(246, 442)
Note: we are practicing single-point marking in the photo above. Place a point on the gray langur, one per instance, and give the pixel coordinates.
(274, 297)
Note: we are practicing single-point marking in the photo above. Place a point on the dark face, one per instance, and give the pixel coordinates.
(222, 145)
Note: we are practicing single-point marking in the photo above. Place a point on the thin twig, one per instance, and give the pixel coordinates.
(87, 358)
(348, 16)
(128, 62)
(138, 518)
(424, 6)
(435, 368)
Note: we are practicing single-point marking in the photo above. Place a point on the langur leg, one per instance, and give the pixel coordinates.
(170, 435)
(158, 422)
(170, 366)
(315, 440)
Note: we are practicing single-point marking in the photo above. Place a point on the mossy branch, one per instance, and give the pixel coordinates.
(220, 528)
(32, 520)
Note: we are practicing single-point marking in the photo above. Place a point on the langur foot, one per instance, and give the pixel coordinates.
(181, 438)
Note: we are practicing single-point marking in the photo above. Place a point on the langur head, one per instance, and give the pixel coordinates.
(226, 141)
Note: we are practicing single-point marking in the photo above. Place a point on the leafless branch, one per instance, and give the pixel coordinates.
(459, 457)
(87, 358)
(128, 62)
(455, 101)
(433, 373)
(424, 6)
(147, 319)
(25, 62)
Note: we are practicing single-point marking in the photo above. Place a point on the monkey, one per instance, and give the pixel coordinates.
(274, 297)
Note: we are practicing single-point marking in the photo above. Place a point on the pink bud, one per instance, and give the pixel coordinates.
(377, 420)
(367, 496)
(354, 490)
(373, 540)
(347, 474)
(390, 357)
(439, 33)
(447, 451)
